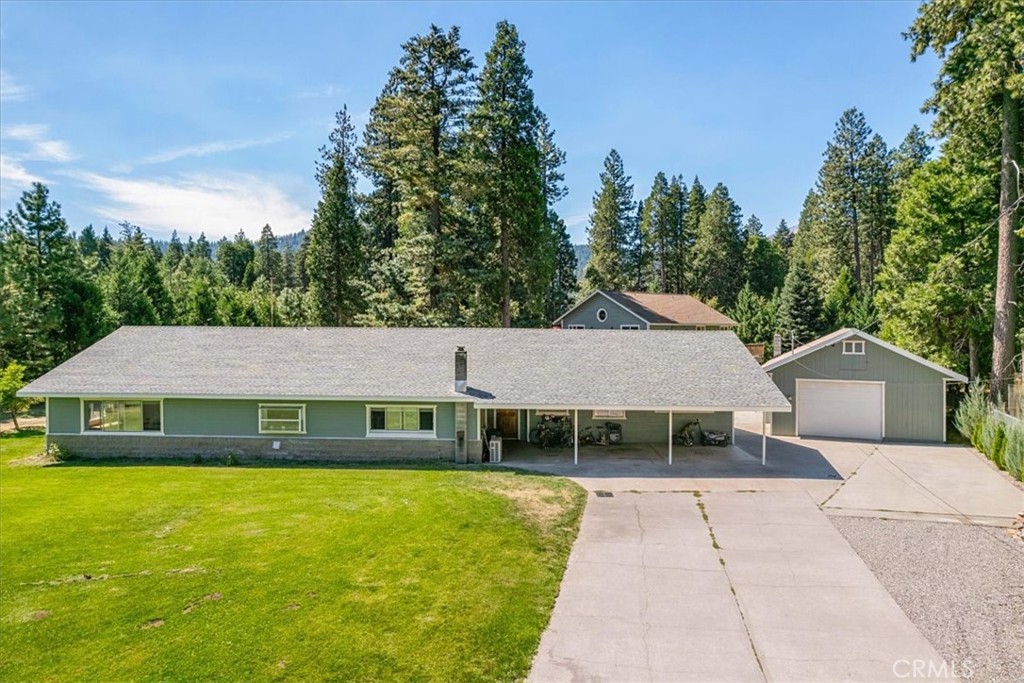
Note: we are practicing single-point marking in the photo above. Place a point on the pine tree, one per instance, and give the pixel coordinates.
(234, 259)
(266, 262)
(135, 291)
(42, 285)
(980, 88)
(509, 190)
(419, 130)
(379, 148)
(337, 242)
(659, 231)
(175, 252)
(717, 254)
(911, 155)
(105, 248)
(611, 224)
(838, 305)
(783, 237)
(799, 306)
(562, 288)
(88, 244)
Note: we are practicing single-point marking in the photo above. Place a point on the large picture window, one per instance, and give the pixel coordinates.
(401, 420)
(282, 419)
(122, 416)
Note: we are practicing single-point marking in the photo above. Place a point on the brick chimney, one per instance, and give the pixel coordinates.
(460, 369)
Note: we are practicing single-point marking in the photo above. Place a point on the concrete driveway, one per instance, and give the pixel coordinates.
(723, 586)
(716, 568)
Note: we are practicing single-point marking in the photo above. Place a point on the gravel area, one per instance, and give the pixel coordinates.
(963, 586)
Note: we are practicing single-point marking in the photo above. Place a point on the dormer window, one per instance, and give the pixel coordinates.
(853, 347)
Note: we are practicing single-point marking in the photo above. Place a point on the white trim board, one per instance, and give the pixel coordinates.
(846, 333)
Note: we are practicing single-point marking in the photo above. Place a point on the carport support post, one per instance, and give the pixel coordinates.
(576, 436)
(764, 439)
(670, 437)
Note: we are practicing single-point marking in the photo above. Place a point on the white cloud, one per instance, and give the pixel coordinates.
(38, 147)
(205, 149)
(14, 178)
(577, 219)
(216, 205)
(321, 91)
(10, 89)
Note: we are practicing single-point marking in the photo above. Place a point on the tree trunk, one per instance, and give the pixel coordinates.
(506, 278)
(1004, 326)
(972, 359)
(14, 419)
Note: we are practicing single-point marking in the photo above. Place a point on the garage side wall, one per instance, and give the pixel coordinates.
(914, 394)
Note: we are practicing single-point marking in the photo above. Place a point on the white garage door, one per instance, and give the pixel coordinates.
(848, 410)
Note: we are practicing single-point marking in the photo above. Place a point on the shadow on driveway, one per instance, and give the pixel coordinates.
(786, 460)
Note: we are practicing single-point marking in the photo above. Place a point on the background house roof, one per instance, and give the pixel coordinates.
(595, 368)
(671, 309)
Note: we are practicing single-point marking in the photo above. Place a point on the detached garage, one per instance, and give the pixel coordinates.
(852, 385)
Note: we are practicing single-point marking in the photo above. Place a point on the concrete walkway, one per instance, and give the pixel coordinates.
(647, 596)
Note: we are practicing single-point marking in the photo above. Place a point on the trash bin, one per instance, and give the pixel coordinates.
(494, 449)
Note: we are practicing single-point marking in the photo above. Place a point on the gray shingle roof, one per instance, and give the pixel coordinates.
(595, 368)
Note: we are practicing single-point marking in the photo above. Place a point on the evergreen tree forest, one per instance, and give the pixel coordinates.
(913, 239)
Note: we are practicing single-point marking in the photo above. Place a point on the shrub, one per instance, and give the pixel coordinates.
(232, 460)
(197, 459)
(988, 435)
(998, 443)
(972, 411)
(1013, 451)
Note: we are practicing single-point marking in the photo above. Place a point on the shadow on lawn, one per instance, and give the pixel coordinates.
(258, 464)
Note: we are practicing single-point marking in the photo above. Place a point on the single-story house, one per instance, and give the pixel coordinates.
(850, 384)
(642, 311)
(374, 393)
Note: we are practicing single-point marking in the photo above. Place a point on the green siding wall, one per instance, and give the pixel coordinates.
(914, 394)
(64, 416)
(208, 417)
(587, 315)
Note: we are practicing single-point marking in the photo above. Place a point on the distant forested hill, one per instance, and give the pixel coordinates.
(582, 256)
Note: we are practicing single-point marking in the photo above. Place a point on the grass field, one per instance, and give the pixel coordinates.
(115, 571)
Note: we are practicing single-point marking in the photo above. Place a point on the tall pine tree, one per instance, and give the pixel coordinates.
(718, 249)
(336, 253)
(509, 193)
(611, 228)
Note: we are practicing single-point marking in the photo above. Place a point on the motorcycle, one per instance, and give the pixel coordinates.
(693, 434)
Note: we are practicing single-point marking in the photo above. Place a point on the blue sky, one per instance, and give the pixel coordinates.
(207, 117)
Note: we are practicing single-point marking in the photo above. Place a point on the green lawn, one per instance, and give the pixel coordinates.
(114, 571)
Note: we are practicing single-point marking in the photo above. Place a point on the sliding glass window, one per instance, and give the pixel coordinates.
(122, 416)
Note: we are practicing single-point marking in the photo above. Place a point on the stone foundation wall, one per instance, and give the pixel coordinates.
(250, 448)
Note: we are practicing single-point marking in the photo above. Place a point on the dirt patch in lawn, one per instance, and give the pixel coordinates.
(542, 502)
(153, 623)
(38, 460)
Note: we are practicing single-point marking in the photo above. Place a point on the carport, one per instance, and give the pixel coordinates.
(642, 425)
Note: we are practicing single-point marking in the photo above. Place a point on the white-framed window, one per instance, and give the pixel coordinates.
(401, 420)
(853, 347)
(282, 418)
(122, 416)
(629, 327)
(608, 414)
(602, 315)
(576, 327)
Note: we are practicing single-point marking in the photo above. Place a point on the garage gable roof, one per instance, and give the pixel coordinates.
(846, 333)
